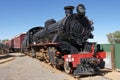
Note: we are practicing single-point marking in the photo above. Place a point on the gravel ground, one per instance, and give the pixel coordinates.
(26, 68)
(5, 58)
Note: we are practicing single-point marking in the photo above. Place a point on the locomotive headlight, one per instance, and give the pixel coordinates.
(81, 9)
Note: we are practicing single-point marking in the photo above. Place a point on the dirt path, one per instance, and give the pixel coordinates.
(27, 68)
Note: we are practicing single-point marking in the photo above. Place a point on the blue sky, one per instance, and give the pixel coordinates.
(17, 16)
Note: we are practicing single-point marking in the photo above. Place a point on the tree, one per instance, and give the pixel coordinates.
(114, 37)
(0, 41)
(5, 40)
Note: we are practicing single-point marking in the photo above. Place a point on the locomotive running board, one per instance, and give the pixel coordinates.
(43, 44)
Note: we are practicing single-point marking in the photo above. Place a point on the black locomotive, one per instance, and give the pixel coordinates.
(60, 42)
(72, 31)
(74, 28)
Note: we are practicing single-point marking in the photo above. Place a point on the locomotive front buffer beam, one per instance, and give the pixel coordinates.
(83, 63)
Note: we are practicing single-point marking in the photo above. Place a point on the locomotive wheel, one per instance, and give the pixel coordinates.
(40, 56)
(1, 52)
(46, 56)
(37, 55)
(68, 67)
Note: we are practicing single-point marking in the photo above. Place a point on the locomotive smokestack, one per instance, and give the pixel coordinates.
(68, 10)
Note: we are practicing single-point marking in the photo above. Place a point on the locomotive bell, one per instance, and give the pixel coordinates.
(68, 10)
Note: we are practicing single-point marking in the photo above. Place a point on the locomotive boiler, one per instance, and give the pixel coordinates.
(72, 31)
(74, 28)
(63, 44)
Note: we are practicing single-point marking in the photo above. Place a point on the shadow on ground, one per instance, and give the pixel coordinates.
(101, 74)
(6, 56)
(11, 55)
(22, 55)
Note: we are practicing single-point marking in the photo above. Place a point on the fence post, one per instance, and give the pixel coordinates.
(113, 57)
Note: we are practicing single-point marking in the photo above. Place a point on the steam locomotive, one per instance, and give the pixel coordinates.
(63, 44)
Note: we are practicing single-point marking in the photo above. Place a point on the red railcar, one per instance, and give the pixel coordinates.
(15, 43)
